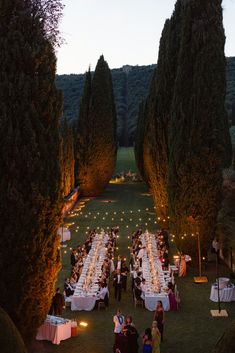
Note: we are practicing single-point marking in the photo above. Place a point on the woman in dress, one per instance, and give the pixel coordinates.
(159, 317)
(182, 266)
(156, 338)
(147, 341)
(172, 298)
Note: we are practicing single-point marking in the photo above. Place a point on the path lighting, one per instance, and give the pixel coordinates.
(84, 324)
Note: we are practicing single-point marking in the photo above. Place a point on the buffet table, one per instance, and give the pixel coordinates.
(54, 329)
(227, 294)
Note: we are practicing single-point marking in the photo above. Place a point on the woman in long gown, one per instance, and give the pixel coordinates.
(147, 341)
(172, 298)
(182, 266)
(159, 317)
(156, 338)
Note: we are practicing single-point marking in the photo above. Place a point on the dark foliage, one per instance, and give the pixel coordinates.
(10, 339)
(67, 158)
(130, 88)
(30, 206)
(96, 145)
(199, 138)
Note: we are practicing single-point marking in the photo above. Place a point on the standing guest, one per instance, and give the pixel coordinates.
(117, 283)
(156, 338)
(159, 317)
(182, 266)
(124, 272)
(118, 320)
(172, 298)
(58, 302)
(216, 247)
(140, 255)
(147, 341)
(73, 258)
(119, 263)
(131, 333)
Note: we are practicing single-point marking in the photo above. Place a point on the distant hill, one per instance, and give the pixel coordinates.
(131, 86)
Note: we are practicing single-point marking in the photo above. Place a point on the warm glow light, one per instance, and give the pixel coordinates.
(84, 324)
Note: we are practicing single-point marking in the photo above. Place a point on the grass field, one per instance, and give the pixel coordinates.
(190, 330)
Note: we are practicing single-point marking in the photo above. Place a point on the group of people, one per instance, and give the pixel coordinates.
(138, 250)
(126, 335)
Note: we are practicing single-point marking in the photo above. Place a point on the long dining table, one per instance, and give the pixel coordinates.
(85, 294)
(156, 279)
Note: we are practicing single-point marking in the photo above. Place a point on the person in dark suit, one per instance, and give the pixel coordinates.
(73, 258)
(124, 273)
(117, 283)
(58, 302)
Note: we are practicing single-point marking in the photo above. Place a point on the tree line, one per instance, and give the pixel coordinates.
(183, 140)
(38, 155)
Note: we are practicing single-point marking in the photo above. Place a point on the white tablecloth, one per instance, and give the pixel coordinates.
(227, 294)
(83, 303)
(54, 332)
(151, 301)
(154, 292)
(84, 296)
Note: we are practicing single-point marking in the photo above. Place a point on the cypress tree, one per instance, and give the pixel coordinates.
(30, 185)
(97, 142)
(199, 137)
(233, 115)
(139, 140)
(156, 150)
(67, 165)
(83, 134)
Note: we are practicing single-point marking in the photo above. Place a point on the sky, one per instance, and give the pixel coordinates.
(124, 31)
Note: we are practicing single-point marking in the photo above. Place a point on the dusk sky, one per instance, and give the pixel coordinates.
(124, 31)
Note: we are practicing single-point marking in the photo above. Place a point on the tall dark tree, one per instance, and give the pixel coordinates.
(139, 139)
(156, 150)
(67, 164)
(30, 206)
(83, 134)
(97, 132)
(233, 115)
(199, 137)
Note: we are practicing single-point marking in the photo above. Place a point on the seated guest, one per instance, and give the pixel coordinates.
(143, 288)
(138, 292)
(68, 288)
(140, 255)
(102, 294)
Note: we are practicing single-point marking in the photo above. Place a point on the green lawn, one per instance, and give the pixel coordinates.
(126, 160)
(190, 330)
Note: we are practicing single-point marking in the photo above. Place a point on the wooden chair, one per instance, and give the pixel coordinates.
(101, 305)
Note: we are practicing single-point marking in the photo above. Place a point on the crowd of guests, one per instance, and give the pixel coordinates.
(136, 258)
(126, 336)
(77, 260)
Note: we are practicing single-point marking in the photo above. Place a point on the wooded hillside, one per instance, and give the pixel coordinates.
(131, 85)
